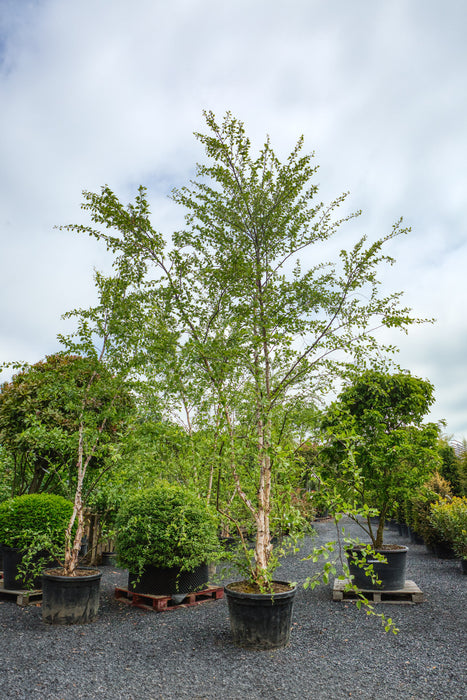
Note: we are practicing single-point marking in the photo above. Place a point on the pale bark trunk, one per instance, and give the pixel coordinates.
(263, 535)
(72, 548)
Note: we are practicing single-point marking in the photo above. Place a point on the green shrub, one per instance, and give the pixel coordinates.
(419, 507)
(26, 519)
(35, 524)
(166, 526)
(449, 518)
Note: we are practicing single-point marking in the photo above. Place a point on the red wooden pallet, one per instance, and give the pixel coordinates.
(161, 603)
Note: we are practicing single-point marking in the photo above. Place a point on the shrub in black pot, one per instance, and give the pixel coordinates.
(32, 530)
(166, 537)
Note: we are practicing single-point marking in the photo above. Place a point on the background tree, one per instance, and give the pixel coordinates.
(107, 335)
(245, 321)
(39, 421)
(463, 469)
(450, 467)
(381, 416)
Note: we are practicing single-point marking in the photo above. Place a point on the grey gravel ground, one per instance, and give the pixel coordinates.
(336, 651)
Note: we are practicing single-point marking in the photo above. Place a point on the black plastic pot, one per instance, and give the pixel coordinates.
(390, 574)
(12, 579)
(403, 530)
(392, 524)
(464, 566)
(260, 620)
(167, 581)
(70, 600)
(444, 550)
(415, 538)
(108, 558)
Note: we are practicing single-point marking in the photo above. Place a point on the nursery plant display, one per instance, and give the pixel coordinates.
(419, 509)
(229, 313)
(448, 517)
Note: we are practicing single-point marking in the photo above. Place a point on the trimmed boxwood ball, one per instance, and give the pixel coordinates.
(24, 520)
(166, 526)
(33, 526)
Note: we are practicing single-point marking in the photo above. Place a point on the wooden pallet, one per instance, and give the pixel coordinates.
(410, 594)
(22, 597)
(162, 603)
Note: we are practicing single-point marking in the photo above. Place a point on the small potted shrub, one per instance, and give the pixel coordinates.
(449, 518)
(166, 537)
(32, 530)
(421, 502)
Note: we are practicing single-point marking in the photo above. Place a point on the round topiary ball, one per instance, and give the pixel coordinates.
(36, 520)
(166, 526)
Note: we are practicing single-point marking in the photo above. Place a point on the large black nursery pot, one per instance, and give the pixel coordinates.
(261, 620)
(391, 574)
(70, 600)
(157, 580)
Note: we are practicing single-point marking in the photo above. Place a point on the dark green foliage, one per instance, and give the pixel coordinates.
(40, 411)
(381, 416)
(463, 471)
(419, 507)
(22, 517)
(35, 524)
(166, 526)
(450, 467)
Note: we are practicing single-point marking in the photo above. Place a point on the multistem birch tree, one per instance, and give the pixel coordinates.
(109, 342)
(254, 328)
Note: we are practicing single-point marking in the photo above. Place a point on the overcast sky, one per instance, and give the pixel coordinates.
(110, 91)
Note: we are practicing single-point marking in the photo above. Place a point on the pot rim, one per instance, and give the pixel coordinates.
(262, 596)
(94, 574)
(383, 548)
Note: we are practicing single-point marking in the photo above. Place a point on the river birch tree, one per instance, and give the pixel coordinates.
(230, 297)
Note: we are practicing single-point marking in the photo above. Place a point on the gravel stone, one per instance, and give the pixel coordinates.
(336, 651)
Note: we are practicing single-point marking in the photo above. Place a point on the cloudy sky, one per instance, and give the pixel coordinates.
(110, 92)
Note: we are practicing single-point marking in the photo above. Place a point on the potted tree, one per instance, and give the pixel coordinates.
(376, 424)
(104, 402)
(32, 531)
(229, 300)
(166, 538)
(97, 404)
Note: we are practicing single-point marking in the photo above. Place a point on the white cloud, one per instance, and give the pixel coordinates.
(110, 92)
